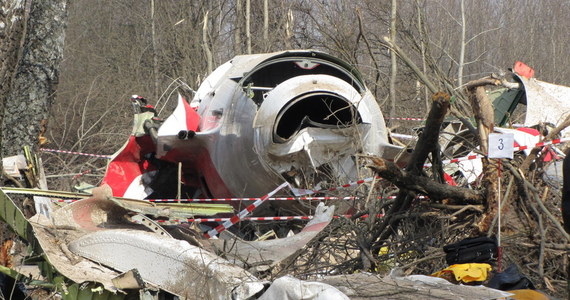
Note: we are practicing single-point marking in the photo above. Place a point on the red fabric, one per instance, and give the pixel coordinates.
(129, 164)
(192, 117)
(449, 179)
(530, 131)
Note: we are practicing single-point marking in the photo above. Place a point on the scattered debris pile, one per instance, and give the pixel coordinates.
(390, 234)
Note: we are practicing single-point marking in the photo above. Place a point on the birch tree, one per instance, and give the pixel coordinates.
(12, 18)
(33, 84)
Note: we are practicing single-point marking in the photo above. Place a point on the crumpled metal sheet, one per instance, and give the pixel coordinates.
(98, 214)
(271, 252)
(173, 265)
(104, 211)
(290, 288)
(53, 242)
(546, 102)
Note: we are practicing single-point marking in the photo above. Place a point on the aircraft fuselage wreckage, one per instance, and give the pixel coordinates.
(255, 122)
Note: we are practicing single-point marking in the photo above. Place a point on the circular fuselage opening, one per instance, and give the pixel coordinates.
(316, 109)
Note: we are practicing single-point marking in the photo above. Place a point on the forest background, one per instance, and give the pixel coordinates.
(116, 48)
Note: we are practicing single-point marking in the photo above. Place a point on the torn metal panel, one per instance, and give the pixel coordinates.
(40, 230)
(170, 264)
(103, 211)
(172, 210)
(264, 254)
(129, 280)
(53, 241)
(150, 224)
(546, 102)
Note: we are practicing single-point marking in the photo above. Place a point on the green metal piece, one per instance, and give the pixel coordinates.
(44, 193)
(13, 216)
(21, 277)
(84, 291)
(504, 102)
(175, 210)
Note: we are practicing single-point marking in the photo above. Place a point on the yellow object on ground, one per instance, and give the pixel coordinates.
(527, 295)
(465, 272)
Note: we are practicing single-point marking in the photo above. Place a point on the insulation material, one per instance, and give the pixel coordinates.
(546, 102)
(290, 288)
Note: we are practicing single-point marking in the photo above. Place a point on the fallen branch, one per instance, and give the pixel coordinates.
(426, 144)
(408, 181)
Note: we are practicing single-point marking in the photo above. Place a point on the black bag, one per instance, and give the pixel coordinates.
(510, 279)
(471, 250)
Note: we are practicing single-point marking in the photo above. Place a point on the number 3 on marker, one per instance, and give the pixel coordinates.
(501, 146)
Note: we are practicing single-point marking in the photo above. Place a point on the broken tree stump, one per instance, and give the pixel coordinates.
(485, 117)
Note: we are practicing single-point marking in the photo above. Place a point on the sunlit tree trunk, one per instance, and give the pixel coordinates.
(248, 24)
(462, 47)
(393, 60)
(237, 33)
(266, 43)
(36, 75)
(154, 51)
(12, 21)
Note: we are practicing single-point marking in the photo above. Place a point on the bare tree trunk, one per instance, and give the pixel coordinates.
(408, 61)
(288, 29)
(393, 60)
(33, 87)
(266, 24)
(462, 47)
(12, 31)
(237, 33)
(421, 29)
(154, 50)
(205, 45)
(247, 24)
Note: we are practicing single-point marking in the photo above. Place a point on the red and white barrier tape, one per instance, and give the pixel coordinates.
(242, 214)
(406, 119)
(245, 199)
(75, 153)
(282, 218)
(251, 199)
(303, 192)
(519, 148)
(542, 144)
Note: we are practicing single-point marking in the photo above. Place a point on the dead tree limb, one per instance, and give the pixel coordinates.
(425, 145)
(436, 191)
(482, 82)
(427, 141)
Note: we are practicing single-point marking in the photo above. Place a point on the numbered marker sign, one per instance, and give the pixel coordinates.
(501, 145)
